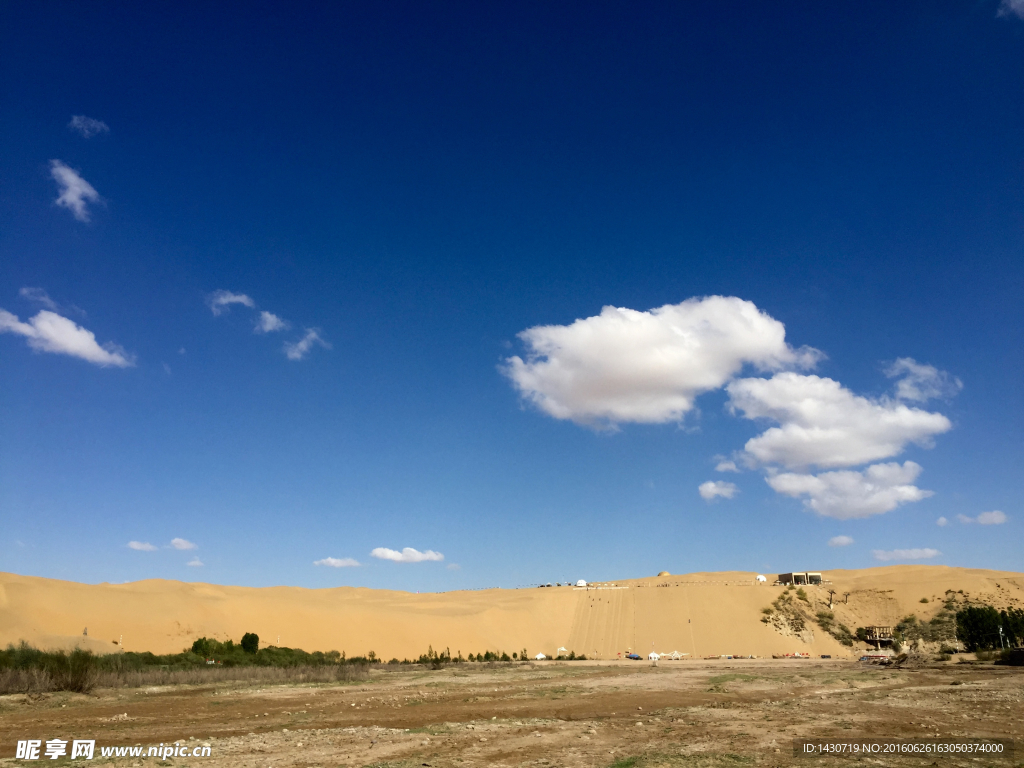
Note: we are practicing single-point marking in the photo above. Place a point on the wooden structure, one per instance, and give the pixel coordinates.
(879, 635)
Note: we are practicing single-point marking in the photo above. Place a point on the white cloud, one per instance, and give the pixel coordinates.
(39, 296)
(629, 366)
(1011, 8)
(407, 555)
(221, 301)
(846, 495)
(919, 382)
(825, 424)
(141, 546)
(726, 466)
(840, 541)
(50, 332)
(942, 522)
(270, 322)
(183, 544)
(337, 562)
(453, 567)
(195, 562)
(299, 349)
(88, 126)
(75, 192)
(995, 517)
(713, 488)
(904, 554)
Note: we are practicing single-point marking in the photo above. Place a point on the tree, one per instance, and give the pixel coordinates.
(250, 642)
(203, 647)
(978, 627)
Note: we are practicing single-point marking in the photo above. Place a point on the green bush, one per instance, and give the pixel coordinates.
(250, 642)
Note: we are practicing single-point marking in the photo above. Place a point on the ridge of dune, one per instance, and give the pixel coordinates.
(698, 613)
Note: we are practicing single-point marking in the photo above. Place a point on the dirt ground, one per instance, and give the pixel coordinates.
(700, 714)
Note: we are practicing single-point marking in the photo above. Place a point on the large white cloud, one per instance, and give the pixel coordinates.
(50, 332)
(714, 488)
(75, 192)
(629, 366)
(846, 494)
(407, 555)
(822, 423)
(904, 554)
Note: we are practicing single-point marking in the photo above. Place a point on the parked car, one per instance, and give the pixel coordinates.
(633, 656)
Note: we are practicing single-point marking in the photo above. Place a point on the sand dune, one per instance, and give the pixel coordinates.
(698, 613)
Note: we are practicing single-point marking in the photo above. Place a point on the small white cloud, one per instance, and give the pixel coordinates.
(648, 367)
(141, 546)
(75, 192)
(847, 495)
(337, 562)
(453, 567)
(904, 554)
(840, 541)
(824, 424)
(407, 555)
(942, 522)
(181, 351)
(220, 301)
(919, 382)
(1011, 8)
(50, 332)
(195, 562)
(299, 349)
(167, 368)
(269, 322)
(995, 517)
(183, 544)
(726, 466)
(39, 296)
(714, 488)
(88, 126)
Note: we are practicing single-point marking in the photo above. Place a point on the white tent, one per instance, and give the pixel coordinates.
(581, 583)
(540, 656)
(653, 656)
(675, 655)
(761, 579)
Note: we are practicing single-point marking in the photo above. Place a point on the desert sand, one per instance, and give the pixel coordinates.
(699, 614)
(701, 714)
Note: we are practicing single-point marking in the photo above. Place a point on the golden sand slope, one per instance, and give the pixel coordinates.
(699, 614)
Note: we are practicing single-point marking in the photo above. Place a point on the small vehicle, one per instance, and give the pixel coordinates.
(633, 656)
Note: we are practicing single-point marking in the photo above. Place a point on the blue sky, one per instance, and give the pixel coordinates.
(292, 283)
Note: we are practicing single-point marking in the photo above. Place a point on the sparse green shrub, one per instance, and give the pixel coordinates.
(923, 600)
(802, 595)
